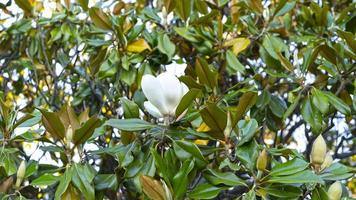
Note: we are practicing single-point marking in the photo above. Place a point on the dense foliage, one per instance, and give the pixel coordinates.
(264, 79)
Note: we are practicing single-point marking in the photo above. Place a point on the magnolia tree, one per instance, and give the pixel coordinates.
(93, 107)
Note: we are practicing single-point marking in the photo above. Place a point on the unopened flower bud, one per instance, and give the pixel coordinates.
(69, 136)
(327, 161)
(20, 173)
(228, 127)
(335, 191)
(318, 151)
(262, 160)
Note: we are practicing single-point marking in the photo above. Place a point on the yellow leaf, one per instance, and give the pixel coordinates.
(25, 5)
(99, 18)
(138, 46)
(238, 44)
(203, 128)
(201, 142)
(70, 194)
(152, 188)
(234, 11)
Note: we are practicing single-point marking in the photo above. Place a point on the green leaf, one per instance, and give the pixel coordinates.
(129, 124)
(251, 195)
(82, 179)
(227, 178)
(290, 167)
(105, 181)
(186, 149)
(45, 180)
(284, 7)
(234, 63)
(274, 46)
(131, 109)
(305, 176)
(285, 62)
(205, 191)
(64, 183)
(215, 118)
(187, 100)
(328, 53)
(320, 100)
(205, 74)
(338, 103)
(283, 191)
(336, 171)
(319, 193)
(292, 107)
(183, 8)
(82, 134)
(180, 180)
(31, 168)
(309, 57)
(247, 130)
(166, 46)
(248, 154)
(185, 33)
(246, 101)
(311, 115)
(349, 38)
(277, 106)
(263, 99)
(53, 124)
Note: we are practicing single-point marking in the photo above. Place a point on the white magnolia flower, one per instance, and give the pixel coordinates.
(163, 93)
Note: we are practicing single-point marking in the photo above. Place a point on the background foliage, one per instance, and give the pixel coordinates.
(282, 69)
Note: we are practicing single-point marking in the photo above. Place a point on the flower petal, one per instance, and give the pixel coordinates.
(152, 89)
(171, 89)
(152, 109)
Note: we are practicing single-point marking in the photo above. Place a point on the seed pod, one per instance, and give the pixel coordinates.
(228, 127)
(69, 136)
(318, 151)
(20, 173)
(327, 161)
(262, 160)
(335, 191)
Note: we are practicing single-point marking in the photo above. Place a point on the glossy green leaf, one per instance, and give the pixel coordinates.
(311, 115)
(166, 46)
(277, 106)
(53, 124)
(180, 180)
(234, 63)
(129, 124)
(320, 101)
(131, 109)
(338, 103)
(226, 178)
(319, 193)
(247, 130)
(290, 167)
(82, 134)
(45, 180)
(187, 100)
(263, 99)
(205, 74)
(248, 154)
(205, 191)
(283, 191)
(305, 176)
